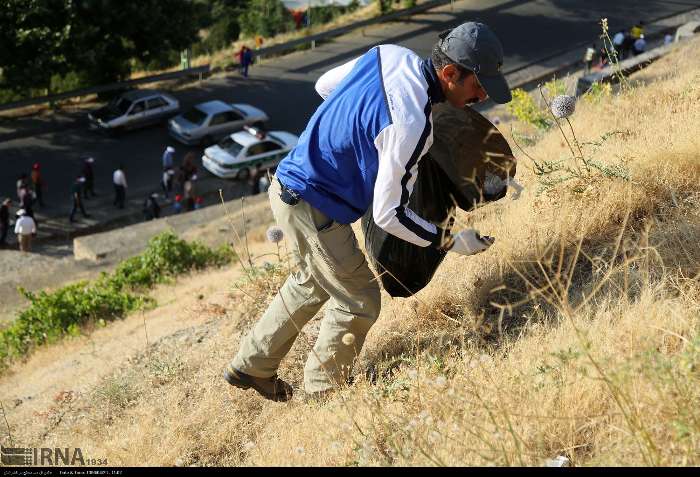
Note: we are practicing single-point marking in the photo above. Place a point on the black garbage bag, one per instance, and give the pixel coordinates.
(467, 149)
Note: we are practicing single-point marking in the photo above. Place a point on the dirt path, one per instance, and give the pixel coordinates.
(32, 392)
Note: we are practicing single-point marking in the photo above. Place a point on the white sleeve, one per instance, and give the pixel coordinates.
(33, 226)
(17, 228)
(330, 79)
(400, 148)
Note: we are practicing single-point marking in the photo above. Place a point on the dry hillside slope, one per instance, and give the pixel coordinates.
(576, 334)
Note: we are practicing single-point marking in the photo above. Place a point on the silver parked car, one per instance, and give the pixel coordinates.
(208, 122)
(134, 109)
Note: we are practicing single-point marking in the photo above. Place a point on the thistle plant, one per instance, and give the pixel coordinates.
(562, 107)
(275, 235)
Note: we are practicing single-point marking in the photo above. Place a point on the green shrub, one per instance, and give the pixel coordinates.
(53, 315)
(525, 109)
(266, 18)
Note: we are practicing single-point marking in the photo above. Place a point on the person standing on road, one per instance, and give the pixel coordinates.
(617, 41)
(26, 199)
(120, 186)
(360, 149)
(189, 192)
(640, 46)
(189, 168)
(254, 179)
(89, 175)
(168, 158)
(151, 209)
(25, 228)
(247, 60)
(22, 183)
(177, 205)
(38, 183)
(4, 220)
(166, 181)
(589, 58)
(77, 196)
(637, 30)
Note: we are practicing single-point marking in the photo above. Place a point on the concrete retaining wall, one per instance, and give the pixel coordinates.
(205, 224)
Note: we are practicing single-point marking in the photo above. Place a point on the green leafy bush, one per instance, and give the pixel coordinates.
(524, 107)
(266, 18)
(52, 315)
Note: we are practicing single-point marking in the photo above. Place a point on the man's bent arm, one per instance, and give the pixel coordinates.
(400, 148)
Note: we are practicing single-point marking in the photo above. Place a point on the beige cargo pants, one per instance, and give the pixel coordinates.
(329, 266)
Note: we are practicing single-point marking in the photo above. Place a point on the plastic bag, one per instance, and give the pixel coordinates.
(467, 150)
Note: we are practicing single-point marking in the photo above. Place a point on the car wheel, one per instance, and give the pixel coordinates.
(243, 174)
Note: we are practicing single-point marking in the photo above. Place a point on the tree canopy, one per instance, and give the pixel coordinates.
(96, 40)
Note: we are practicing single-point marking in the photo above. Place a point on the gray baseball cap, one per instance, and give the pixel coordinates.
(475, 47)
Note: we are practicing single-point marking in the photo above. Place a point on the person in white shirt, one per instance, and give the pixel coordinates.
(618, 41)
(640, 45)
(25, 228)
(120, 185)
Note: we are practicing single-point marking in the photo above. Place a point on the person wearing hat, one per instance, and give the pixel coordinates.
(89, 175)
(25, 228)
(38, 183)
(4, 220)
(77, 195)
(360, 149)
(168, 158)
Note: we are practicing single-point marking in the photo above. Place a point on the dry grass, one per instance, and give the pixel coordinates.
(575, 335)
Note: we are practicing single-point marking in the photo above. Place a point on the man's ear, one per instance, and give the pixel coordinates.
(450, 73)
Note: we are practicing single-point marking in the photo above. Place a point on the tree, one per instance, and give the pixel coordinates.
(110, 33)
(266, 18)
(34, 39)
(223, 24)
(97, 40)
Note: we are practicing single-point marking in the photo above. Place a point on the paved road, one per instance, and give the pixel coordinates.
(530, 30)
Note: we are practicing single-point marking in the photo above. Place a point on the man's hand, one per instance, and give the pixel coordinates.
(469, 242)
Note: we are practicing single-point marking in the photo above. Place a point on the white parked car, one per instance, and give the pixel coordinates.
(134, 109)
(237, 155)
(208, 122)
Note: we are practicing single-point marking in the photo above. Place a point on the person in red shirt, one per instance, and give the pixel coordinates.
(38, 183)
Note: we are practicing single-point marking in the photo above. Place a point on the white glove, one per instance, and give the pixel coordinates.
(469, 242)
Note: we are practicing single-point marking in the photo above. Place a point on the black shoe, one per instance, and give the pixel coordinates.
(271, 388)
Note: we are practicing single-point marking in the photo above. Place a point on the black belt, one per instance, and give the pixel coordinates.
(288, 196)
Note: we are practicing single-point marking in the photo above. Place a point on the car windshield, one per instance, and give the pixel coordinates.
(275, 138)
(120, 104)
(195, 116)
(231, 146)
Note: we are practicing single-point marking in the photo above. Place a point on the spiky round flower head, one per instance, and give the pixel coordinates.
(563, 106)
(275, 234)
(348, 339)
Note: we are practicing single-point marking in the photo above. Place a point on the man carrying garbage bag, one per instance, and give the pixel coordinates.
(362, 146)
(469, 163)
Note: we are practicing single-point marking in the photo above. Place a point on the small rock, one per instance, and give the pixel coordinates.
(558, 461)
(18, 402)
(179, 463)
